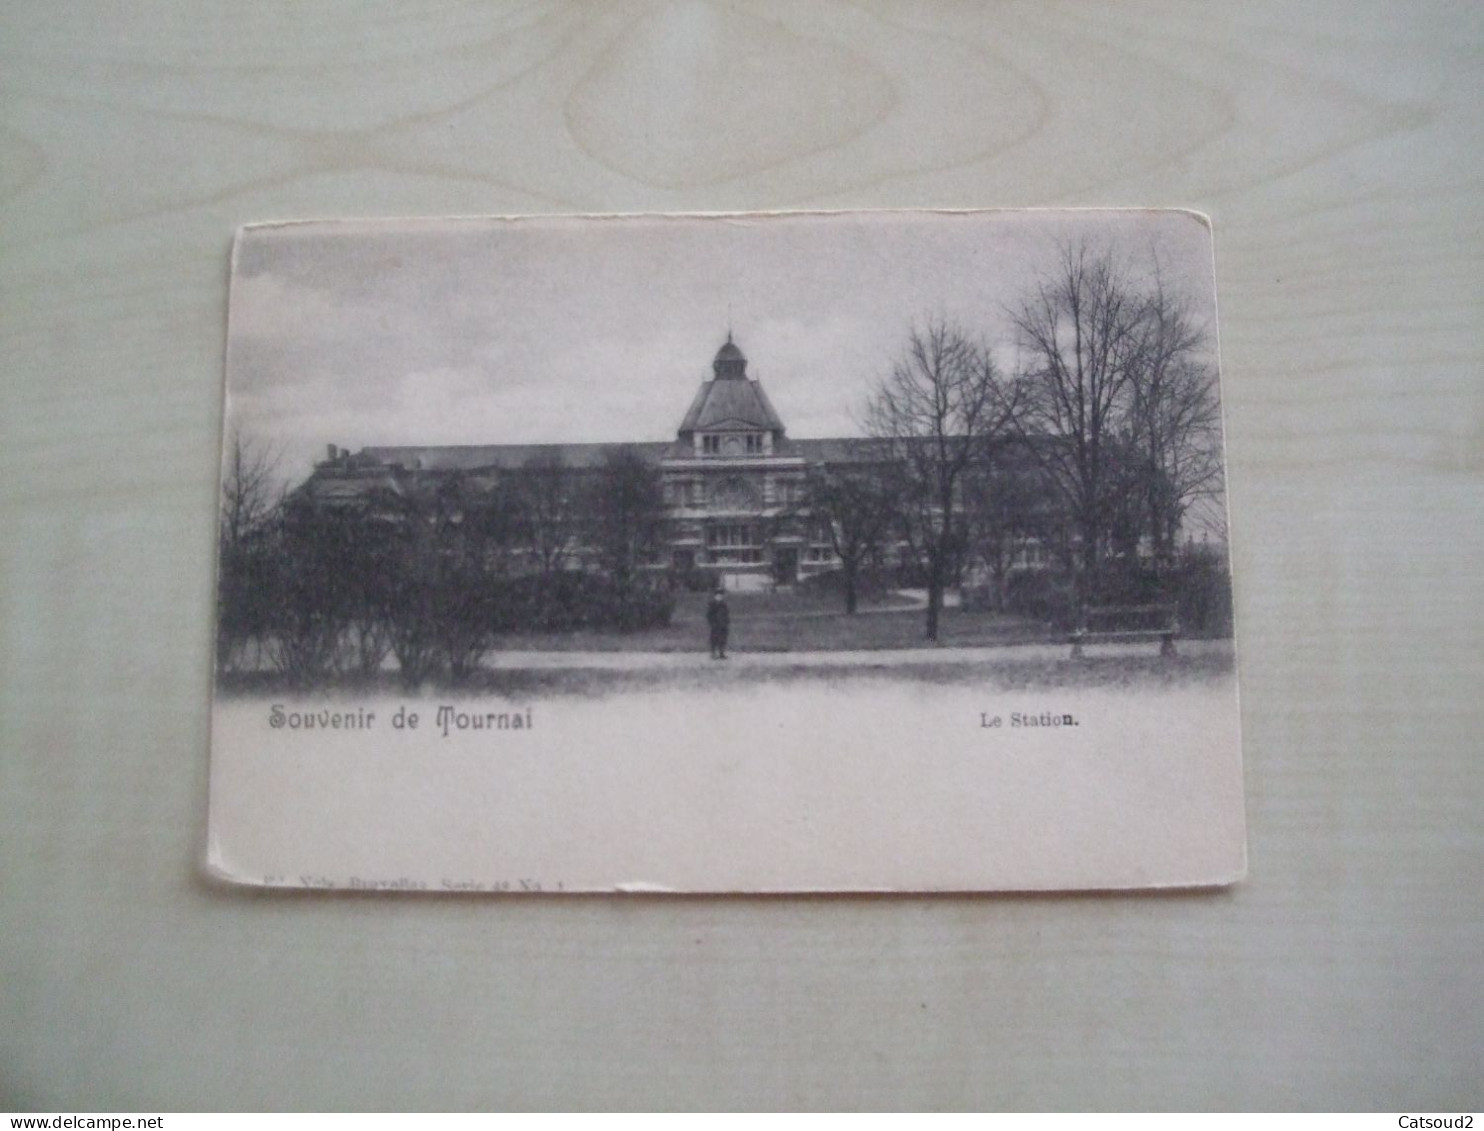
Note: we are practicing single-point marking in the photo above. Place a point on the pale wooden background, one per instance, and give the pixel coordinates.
(1337, 147)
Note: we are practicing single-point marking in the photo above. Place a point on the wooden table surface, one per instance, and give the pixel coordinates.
(1337, 148)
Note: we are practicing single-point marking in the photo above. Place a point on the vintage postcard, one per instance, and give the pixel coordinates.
(748, 553)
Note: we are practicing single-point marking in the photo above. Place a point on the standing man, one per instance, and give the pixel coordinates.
(719, 618)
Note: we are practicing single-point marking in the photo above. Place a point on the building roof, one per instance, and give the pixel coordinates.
(730, 399)
(847, 449)
(727, 402)
(348, 484)
(347, 477)
(505, 457)
(513, 457)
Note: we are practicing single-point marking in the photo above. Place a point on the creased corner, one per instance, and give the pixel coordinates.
(216, 869)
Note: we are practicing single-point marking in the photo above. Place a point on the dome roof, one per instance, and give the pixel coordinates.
(730, 361)
(730, 352)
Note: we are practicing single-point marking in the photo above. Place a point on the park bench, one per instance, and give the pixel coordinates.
(1111, 624)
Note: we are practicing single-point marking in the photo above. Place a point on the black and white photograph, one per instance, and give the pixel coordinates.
(839, 551)
(740, 555)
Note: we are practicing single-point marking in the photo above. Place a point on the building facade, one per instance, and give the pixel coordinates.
(733, 482)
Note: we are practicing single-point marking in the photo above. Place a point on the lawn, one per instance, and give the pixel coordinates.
(793, 621)
(1005, 673)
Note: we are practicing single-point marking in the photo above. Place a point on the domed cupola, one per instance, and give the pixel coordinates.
(730, 411)
(730, 361)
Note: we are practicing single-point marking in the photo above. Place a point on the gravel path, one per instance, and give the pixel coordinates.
(883, 657)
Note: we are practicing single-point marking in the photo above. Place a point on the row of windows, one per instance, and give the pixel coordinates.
(750, 443)
(734, 557)
(694, 494)
(731, 534)
(744, 534)
(755, 556)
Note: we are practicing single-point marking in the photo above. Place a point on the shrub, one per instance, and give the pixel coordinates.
(1197, 583)
(1204, 588)
(693, 580)
(1042, 595)
(565, 602)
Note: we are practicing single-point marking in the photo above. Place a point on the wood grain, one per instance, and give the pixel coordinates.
(1337, 148)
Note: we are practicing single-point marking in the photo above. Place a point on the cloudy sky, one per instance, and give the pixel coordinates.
(564, 330)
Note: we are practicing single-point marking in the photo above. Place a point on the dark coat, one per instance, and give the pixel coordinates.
(719, 617)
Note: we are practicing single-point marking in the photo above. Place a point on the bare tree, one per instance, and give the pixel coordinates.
(369, 555)
(1083, 333)
(1121, 409)
(546, 496)
(311, 590)
(249, 500)
(408, 595)
(855, 505)
(440, 593)
(473, 530)
(1174, 420)
(1005, 515)
(626, 508)
(248, 497)
(943, 408)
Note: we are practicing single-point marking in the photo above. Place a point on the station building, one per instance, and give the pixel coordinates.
(733, 481)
